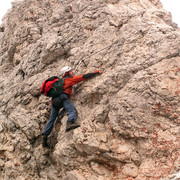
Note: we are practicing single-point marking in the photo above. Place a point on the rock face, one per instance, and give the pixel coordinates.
(129, 115)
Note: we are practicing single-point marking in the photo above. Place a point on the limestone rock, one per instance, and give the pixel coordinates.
(129, 115)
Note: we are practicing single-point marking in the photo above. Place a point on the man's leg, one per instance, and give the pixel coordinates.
(71, 111)
(72, 115)
(49, 125)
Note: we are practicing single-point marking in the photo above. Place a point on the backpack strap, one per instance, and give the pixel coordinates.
(64, 80)
(53, 79)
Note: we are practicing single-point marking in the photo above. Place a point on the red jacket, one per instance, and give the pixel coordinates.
(70, 81)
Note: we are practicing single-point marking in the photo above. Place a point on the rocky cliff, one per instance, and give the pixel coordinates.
(129, 115)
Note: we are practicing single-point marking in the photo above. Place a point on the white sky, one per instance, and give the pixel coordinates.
(4, 6)
(170, 5)
(173, 7)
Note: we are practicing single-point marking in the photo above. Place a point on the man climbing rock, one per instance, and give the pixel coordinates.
(63, 101)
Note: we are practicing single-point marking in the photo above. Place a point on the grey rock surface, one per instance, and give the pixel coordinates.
(129, 115)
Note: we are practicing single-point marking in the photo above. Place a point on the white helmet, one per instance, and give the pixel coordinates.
(65, 69)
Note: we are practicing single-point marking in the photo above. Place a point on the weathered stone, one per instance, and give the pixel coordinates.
(130, 170)
(129, 115)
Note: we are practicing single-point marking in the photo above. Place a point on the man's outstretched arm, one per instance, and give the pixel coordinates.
(76, 79)
(89, 75)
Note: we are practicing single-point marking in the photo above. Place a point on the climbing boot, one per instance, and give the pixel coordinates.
(71, 125)
(44, 142)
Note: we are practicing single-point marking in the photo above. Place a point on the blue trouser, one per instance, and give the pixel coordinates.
(70, 109)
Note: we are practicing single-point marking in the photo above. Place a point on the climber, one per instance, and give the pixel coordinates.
(63, 101)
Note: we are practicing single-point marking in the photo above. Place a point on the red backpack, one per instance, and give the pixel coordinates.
(52, 87)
